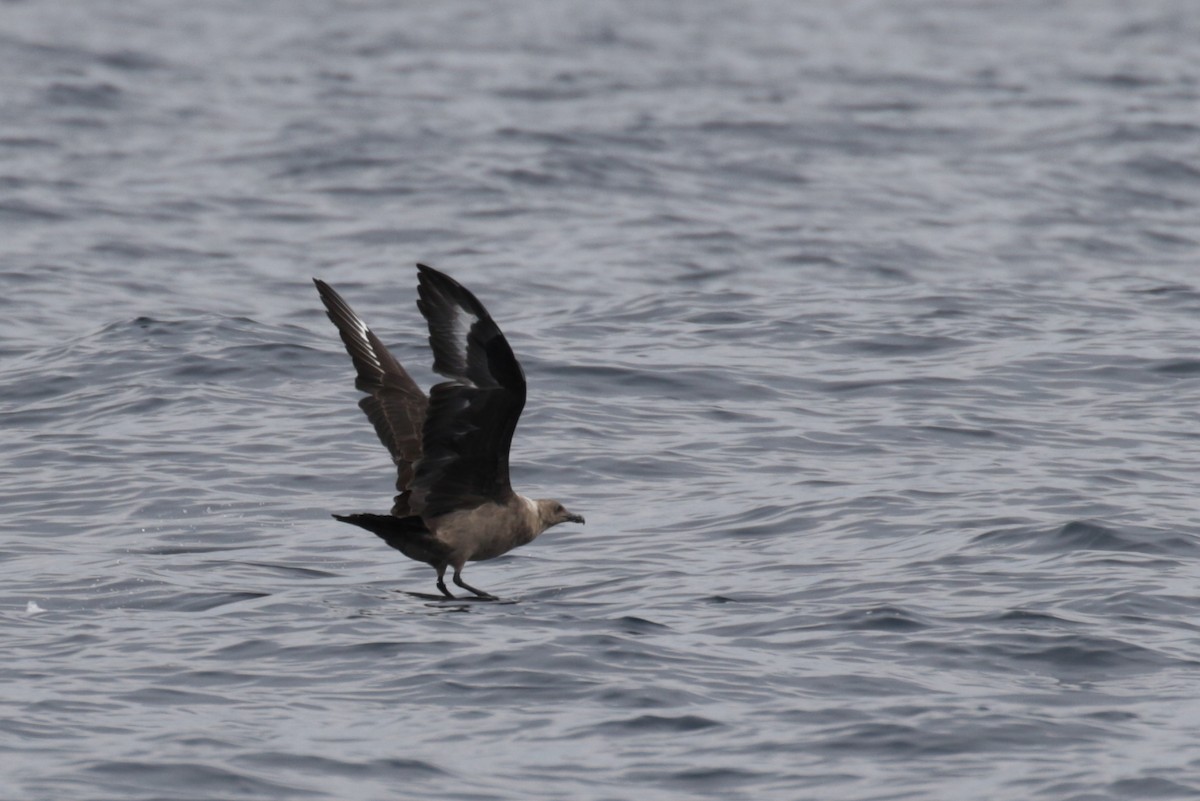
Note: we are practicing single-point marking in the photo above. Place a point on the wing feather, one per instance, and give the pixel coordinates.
(471, 417)
(395, 405)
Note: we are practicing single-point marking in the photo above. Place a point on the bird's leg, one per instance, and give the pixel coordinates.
(442, 581)
(459, 581)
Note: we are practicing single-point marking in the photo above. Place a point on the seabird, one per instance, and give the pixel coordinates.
(455, 503)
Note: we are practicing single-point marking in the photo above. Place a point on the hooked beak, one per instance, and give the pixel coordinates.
(575, 518)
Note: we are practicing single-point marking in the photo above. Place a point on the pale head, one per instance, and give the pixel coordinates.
(551, 513)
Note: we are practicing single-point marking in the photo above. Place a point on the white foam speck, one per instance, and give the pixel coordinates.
(32, 608)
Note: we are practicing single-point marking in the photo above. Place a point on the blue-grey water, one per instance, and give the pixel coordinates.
(864, 334)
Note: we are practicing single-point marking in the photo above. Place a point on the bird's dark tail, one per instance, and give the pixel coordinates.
(408, 535)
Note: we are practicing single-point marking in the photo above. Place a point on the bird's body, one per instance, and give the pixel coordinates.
(454, 502)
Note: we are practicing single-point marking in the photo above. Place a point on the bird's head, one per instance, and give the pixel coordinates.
(552, 513)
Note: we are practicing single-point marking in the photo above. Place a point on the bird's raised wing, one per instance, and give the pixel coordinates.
(395, 405)
(471, 418)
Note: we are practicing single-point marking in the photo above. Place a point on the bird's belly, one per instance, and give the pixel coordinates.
(482, 533)
(489, 550)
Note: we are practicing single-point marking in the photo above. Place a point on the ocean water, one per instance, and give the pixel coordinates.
(864, 335)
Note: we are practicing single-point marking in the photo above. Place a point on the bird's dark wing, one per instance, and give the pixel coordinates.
(471, 418)
(395, 405)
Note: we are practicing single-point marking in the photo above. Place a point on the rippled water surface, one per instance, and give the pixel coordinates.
(863, 334)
